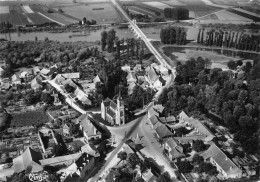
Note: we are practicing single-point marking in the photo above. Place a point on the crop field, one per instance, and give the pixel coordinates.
(158, 5)
(245, 13)
(105, 14)
(190, 2)
(142, 11)
(174, 3)
(22, 15)
(225, 2)
(197, 11)
(4, 9)
(225, 15)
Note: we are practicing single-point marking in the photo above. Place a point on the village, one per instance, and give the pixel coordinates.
(70, 145)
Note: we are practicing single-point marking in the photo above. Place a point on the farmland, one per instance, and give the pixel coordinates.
(158, 5)
(35, 14)
(106, 14)
(225, 15)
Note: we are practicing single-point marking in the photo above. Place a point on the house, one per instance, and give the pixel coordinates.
(66, 130)
(79, 169)
(138, 67)
(131, 87)
(82, 96)
(113, 112)
(89, 130)
(173, 149)
(159, 108)
(183, 116)
(36, 70)
(28, 158)
(26, 73)
(199, 129)
(162, 131)
(1, 70)
(97, 79)
(152, 112)
(153, 121)
(71, 75)
(60, 160)
(152, 76)
(223, 164)
(130, 77)
(45, 71)
(16, 79)
(36, 83)
(126, 68)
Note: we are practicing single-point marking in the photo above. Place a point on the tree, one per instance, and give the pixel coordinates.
(232, 65)
(184, 166)
(197, 159)
(165, 177)
(47, 98)
(69, 88)
(103, 40)
(133, 159)
(198, 146)
(122, 155)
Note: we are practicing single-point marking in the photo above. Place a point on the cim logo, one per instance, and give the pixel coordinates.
(38, 176)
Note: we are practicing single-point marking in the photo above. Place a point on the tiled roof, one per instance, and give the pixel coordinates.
(152, 75)
(183, 115)
(88, 127)
(221, 159)
(152, 112)
(163, 131)
(172, 143)
(113, 105)
(202, 129)
(71, 75)
(159, 108)
(111, 113)
(153, 119)
(60, 160)
(44, 71)
(28, 158)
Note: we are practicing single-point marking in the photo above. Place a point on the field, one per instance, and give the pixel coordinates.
(158, 5)
(245, 13)
(225, 15)
(29, 118)
(34, 14)
(106, 15)
(225, 2)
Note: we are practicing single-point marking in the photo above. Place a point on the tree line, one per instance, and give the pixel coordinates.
(233, 97)
(172, 35)
(179, 13)
(230, 39)
(23, 54)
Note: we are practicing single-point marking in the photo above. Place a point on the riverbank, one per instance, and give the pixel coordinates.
(219, 56)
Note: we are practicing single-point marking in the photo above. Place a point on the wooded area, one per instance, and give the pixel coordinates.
(233, 97)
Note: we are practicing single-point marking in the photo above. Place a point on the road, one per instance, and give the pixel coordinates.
(122, 133)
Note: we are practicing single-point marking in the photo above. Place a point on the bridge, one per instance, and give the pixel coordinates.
(139, 34)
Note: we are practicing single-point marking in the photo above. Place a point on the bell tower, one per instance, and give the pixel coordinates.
(120, 115)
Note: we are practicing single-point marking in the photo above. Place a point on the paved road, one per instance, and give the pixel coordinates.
(127, 130)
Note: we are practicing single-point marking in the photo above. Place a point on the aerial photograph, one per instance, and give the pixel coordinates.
(129, 90)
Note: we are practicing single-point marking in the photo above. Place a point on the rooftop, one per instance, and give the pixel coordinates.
(221, 159)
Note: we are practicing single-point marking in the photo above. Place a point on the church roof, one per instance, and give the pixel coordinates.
(111, 113)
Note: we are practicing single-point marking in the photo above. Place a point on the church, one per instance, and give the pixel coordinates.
(113, 112)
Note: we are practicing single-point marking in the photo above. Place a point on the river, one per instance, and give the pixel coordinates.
(87, 35)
